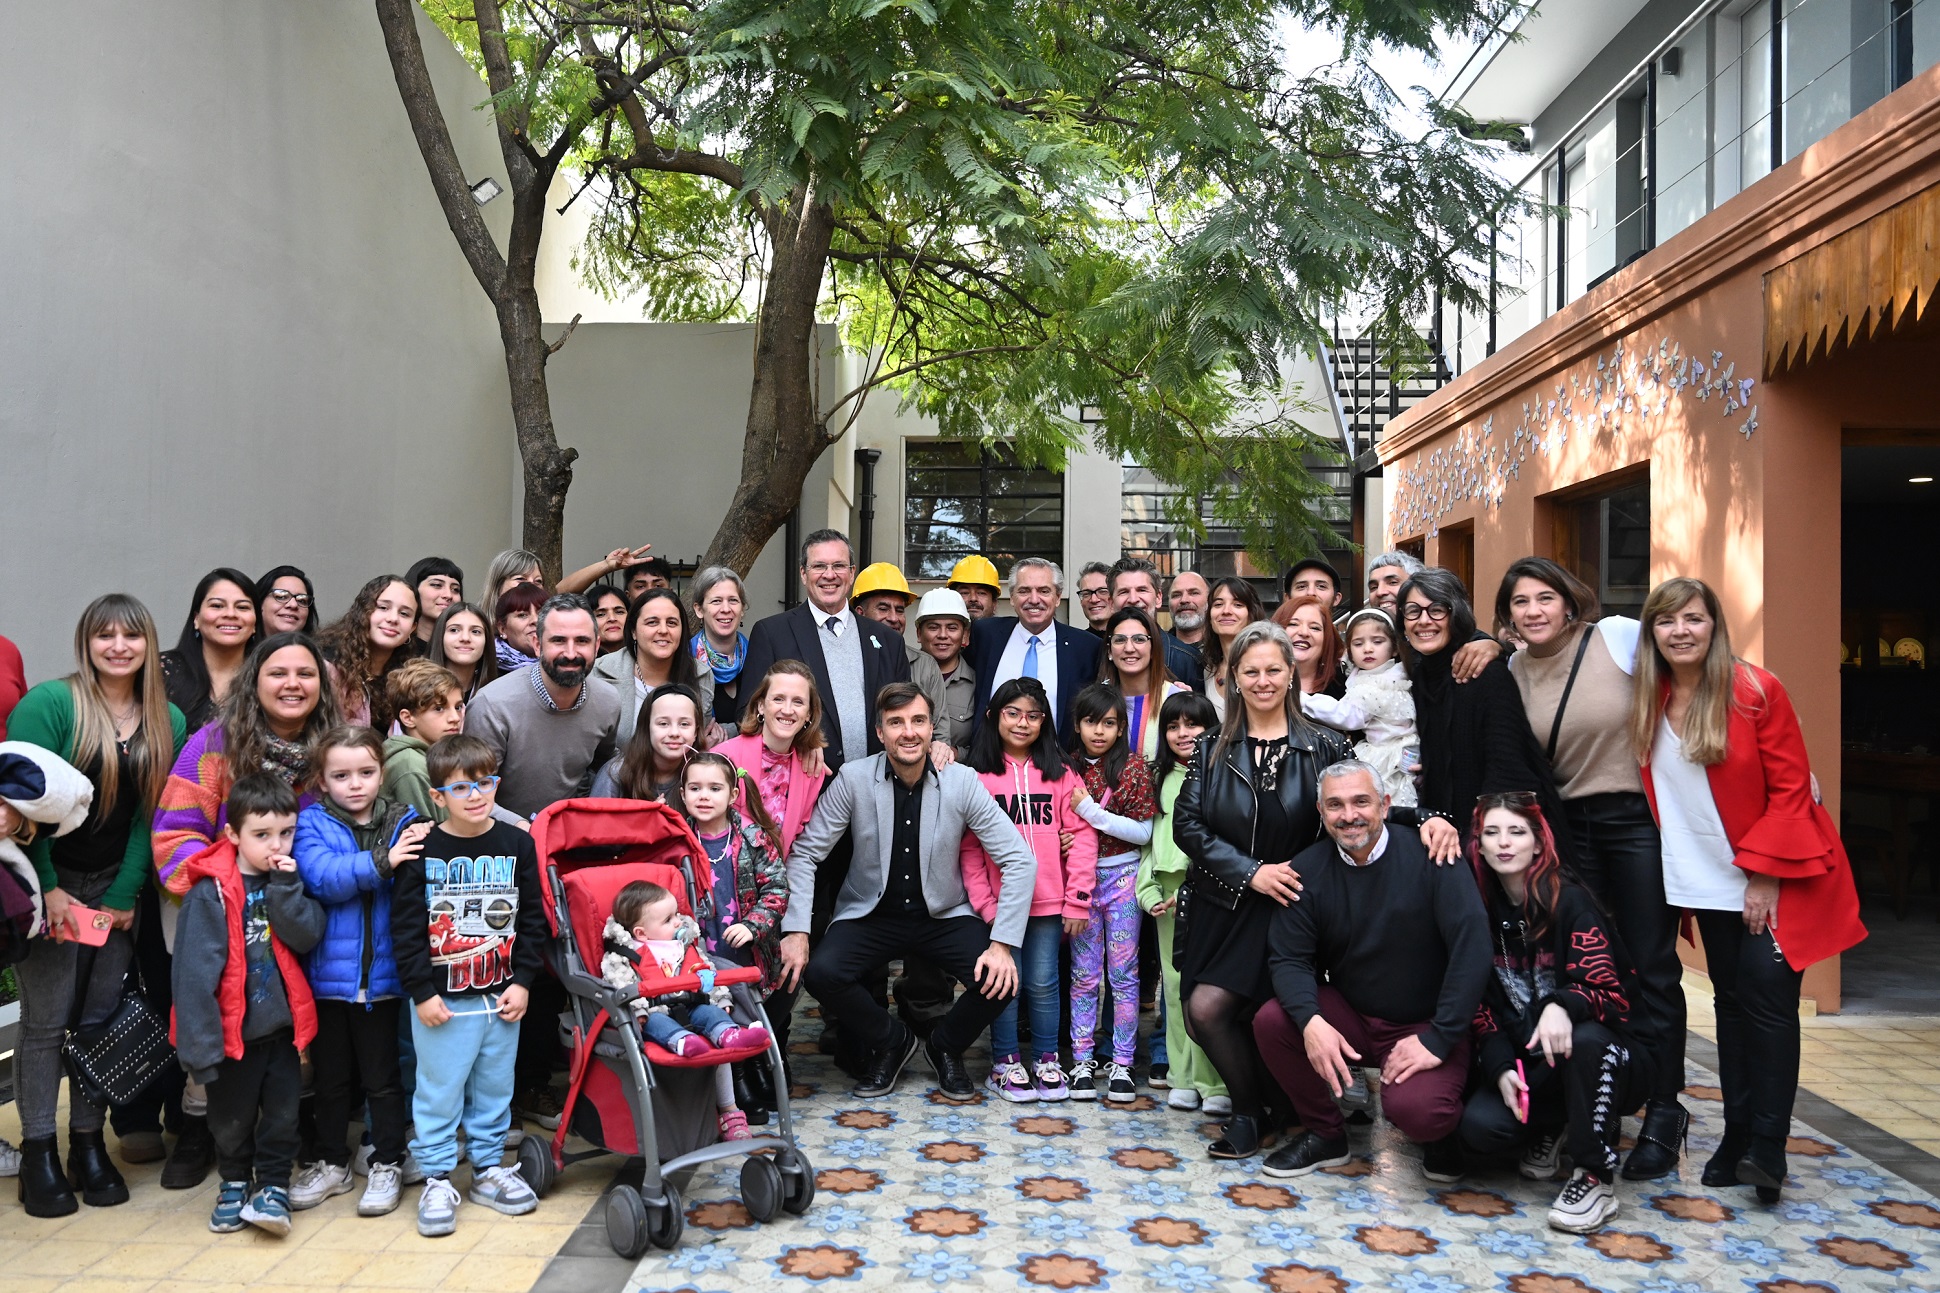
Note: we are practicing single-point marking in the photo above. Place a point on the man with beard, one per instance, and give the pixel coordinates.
(549, 723)
(1186, 599)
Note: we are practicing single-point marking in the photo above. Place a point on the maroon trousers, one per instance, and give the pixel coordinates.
(1426, 1107)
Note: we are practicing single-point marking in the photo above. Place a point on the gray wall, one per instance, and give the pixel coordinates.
(1639, 36)
(234, 328)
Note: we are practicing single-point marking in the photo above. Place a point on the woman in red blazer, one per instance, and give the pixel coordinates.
(1748, 851)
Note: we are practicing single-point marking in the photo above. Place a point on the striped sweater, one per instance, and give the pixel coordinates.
(193, 807)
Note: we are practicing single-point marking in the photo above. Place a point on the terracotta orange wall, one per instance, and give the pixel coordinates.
(1750, 506)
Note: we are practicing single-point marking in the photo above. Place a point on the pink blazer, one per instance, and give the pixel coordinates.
(803, 790)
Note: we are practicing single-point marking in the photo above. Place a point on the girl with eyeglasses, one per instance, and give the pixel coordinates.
(1015, 753)
(1134, 666)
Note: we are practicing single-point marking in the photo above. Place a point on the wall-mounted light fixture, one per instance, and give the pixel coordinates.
(1919, 480)
(485, 190)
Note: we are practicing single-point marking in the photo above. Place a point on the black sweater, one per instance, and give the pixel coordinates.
(1401, 938)
(465, 916)
(1475, 740)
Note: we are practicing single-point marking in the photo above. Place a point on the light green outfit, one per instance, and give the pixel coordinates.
(1161, 870)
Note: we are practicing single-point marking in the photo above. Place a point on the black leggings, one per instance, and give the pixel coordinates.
(1585, 1096)
(1757, 996)
(1221, 1021)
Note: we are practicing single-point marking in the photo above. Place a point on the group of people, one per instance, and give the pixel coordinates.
(1342, 852)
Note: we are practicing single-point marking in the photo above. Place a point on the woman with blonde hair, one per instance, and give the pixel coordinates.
(111, 719)
(1748, 851)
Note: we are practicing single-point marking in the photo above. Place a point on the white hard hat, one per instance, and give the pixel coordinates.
(942, 601)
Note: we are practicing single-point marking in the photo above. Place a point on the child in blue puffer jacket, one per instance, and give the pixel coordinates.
(347, 844)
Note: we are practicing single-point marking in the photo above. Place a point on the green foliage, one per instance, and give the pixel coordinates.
(1039, 206)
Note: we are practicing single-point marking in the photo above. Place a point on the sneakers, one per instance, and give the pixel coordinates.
(413, 1174)
(269, 1209)
(10, 1157)
(437, 1207)
(1217, 1106)
(1182, 1097)
(734, 1126)
(1050, 1079)
(382, 1190)
(1542, 1158)
(227, 1218)
(753, 1035)
(1119, 1086)
(1010, 1080)
(1083, 1080)
(502, 1189)
(1306, 1154)
(1441, 1160)
(1357, 1098)
(540, 1105)
(1159, 1077)
(319, 1181)
(1585, 1204)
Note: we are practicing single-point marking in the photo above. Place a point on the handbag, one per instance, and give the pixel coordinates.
(116, 1061)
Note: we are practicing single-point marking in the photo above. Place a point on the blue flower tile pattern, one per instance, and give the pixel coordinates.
(915, 1193)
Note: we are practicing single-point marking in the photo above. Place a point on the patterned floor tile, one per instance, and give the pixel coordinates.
(914, 1193)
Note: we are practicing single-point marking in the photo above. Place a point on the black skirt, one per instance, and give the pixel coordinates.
(1227, 949)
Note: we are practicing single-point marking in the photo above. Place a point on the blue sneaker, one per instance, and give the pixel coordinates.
(227, 1219)
(269, 1209)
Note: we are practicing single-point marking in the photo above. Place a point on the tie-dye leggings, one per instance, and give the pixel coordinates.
(1108, 946)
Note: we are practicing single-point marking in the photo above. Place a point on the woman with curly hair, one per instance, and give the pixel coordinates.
(370, 638)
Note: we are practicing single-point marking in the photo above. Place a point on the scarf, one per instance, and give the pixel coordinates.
(285, 760)
(510, 658)
(726, 667)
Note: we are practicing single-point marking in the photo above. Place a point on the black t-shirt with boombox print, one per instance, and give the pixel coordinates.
(465, 916)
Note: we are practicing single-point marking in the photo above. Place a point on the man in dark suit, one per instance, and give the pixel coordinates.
(1135, 582)
(852, 659)
(1033, 644)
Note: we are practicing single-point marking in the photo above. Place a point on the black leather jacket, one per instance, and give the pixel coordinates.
(1215, 819)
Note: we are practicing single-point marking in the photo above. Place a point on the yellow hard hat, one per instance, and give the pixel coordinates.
(976, 570)
(881, 577)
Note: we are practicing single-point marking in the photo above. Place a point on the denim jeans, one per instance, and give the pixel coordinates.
(1037, 970)
(666, 1031)
(465, 1070)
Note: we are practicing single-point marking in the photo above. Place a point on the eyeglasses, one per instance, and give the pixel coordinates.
(466, 789)
(284, 597)
(1012, 714)
(829, 568)
(1135, 639)
(1415, 610)
(1086, 594)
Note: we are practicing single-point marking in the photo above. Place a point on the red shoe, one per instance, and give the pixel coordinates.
(734, 1125)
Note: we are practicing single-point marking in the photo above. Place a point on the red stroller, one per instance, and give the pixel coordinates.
(622, 1083)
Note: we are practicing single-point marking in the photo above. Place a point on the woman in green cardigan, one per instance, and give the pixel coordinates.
(111, 719)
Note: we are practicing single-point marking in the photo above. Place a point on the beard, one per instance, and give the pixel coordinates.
(567, 671)
(1187, 620)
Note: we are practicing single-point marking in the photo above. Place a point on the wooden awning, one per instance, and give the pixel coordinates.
(1867, 280)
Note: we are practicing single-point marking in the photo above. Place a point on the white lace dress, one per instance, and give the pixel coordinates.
(1380, 706)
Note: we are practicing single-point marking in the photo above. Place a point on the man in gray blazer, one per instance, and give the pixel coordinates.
(904, 895)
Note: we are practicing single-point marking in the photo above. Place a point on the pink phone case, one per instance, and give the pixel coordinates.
(89, 925)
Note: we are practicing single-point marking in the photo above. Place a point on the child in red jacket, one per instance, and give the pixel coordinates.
(243, 1009)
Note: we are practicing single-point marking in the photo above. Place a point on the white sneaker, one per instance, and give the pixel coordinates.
(9, 1158)
(413, 1174)
(1217, 1106)
(502, 1189)
(316, 1182)
(1182, 1097)
(438, 1207)
(1542, 1158)
(382, 1191)
(1585, 1204)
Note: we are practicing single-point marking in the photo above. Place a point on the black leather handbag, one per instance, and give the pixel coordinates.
(114, 1062)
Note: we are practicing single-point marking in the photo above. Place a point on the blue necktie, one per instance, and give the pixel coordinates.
(1030, 659)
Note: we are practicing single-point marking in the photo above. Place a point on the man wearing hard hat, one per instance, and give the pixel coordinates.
(882, 594)
(943, 630)
(975, 580)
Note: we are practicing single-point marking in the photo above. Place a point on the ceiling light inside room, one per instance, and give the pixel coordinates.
(1919, 480)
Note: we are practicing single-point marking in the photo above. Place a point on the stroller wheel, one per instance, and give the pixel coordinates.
(626, 1222)
(761, 1187)
(798, 1181)
(535, 1165)
(665, 1221)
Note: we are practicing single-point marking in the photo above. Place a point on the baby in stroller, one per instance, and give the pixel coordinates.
(649, 942)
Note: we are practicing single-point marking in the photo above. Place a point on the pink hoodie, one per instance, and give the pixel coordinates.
(1043, 812)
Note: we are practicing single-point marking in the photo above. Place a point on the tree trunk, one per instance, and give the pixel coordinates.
(785, 434)
(548, 469)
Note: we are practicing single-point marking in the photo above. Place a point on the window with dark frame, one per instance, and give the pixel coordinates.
(960, 499)
(1603, 537)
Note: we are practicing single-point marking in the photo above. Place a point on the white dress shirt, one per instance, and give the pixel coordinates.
(1011, 663)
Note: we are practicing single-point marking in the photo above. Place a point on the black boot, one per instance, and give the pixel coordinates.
(195, 1152)
(93, 1172)
(44, 1188)
(1659, 1141)
(1722, 1171)
(1763, 1166)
